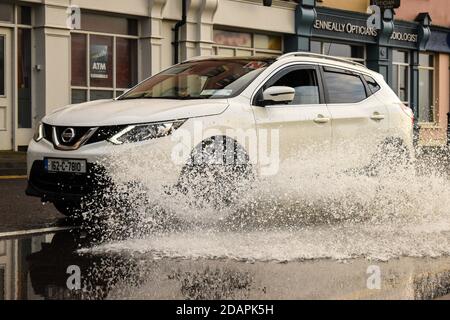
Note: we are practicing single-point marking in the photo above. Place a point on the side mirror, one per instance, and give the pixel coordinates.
(278, 95)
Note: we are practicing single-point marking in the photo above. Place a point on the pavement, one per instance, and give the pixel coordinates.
(13, 163)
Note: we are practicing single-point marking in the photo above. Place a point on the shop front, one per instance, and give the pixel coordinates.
(406, 53)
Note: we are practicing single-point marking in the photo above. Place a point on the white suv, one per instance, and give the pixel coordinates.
(302, 99)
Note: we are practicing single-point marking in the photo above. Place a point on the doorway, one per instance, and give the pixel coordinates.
(5, 90)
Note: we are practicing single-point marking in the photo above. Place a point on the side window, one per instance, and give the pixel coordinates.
(344, 87)
(305, 83)
(372, 84)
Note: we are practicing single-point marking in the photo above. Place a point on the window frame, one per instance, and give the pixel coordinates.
(343, 71)
(322, 49)
(281, 72)
(407, 65)
(3, 94)
(88, 88)
(254, 51)
(433, 89)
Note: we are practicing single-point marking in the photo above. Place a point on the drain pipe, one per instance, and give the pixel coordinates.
(448, 129)
(176, 30)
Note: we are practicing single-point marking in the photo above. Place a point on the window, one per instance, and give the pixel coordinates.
(351, 52)
(2, 65)
(426, 88)
(400, 76)
(230, 44)
(305, 83)
(25, 117)
(103, 66)
(24, 15)
(6, 12)
(2, 283)
(372, 84)
(343, 87)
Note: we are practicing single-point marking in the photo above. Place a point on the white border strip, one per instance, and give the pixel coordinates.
(32, 232)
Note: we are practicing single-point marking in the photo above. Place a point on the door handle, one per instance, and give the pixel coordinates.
(378, 117)
(321, 119)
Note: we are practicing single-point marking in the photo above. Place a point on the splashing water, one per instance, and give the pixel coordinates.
(313, 208)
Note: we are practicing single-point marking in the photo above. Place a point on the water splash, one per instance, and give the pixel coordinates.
(314, 208)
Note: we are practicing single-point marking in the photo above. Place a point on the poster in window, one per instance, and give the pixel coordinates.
(99, 61)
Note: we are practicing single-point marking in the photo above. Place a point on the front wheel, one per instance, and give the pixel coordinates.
(218, 173)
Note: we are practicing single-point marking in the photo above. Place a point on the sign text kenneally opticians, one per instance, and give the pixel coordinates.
(345, 28)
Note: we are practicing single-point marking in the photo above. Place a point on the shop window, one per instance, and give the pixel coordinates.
(79, 96)
(230, 44)
(426, 88)
(344, 87)
(101, 94)
(400, 75)
(79, 58)
(2, 65)
(126, 62)
(101, 61)
(351, 52)
(102, 66)
(267, 42)
(24, 78)
(304, 81)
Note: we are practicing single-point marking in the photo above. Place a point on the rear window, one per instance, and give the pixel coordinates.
(343, 87)
(372, 84)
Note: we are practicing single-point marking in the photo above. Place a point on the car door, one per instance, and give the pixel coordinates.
(302, 126)
(359, 120)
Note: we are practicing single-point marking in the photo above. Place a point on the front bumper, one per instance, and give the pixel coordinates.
(137, 161)
(66, 186)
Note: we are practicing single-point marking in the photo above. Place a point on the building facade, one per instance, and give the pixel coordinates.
(57, 52)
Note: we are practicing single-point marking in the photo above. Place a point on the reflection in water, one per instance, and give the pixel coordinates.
(36, 268)
(14, 279)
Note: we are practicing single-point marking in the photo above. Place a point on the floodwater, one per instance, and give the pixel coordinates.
(61, 266)
(316, 230)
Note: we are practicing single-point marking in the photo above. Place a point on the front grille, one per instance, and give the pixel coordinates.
(102, 134)
(68, 183)
(79, 133)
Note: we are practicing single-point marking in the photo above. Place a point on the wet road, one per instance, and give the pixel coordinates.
(44, 266)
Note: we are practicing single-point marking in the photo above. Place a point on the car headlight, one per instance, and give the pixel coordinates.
(38, 132)
(143, 132)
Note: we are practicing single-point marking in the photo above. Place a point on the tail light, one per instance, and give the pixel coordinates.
(408, 111)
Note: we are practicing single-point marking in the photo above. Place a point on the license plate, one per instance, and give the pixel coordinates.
(65, 165)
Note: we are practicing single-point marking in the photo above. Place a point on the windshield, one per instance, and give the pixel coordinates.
(205, 79)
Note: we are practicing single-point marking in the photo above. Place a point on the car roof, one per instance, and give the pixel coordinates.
(299, 57)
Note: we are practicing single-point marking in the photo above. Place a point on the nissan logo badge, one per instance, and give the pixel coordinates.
(68, 135)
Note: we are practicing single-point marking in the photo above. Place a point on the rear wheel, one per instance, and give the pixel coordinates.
(392, 155)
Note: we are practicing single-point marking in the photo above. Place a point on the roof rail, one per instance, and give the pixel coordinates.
(320, 56)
